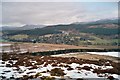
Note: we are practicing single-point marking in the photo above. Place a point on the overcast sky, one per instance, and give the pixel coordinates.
(49, 13)
(59, 0)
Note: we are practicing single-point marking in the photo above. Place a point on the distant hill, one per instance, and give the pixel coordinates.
(25, 27)
(98, 27)
(102, 21)
(8, 28)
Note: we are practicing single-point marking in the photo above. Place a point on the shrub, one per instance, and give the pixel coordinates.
(47, 78)
(37, 75)
(57, 72)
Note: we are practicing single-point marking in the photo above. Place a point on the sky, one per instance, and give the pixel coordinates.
(16, 13)
(60, 0)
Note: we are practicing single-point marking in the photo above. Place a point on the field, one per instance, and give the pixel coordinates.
(40, 47)
(71, 39)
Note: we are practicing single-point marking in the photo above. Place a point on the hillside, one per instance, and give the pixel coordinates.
(101, 27)
(101, 32)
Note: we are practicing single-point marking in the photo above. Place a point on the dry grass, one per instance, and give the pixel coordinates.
(91, 57)
(39, 47)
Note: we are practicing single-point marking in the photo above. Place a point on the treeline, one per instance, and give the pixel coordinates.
(71, 51)
(39, 31)
(101, 31)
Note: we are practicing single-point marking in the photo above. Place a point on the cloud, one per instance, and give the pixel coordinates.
(20, 13)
